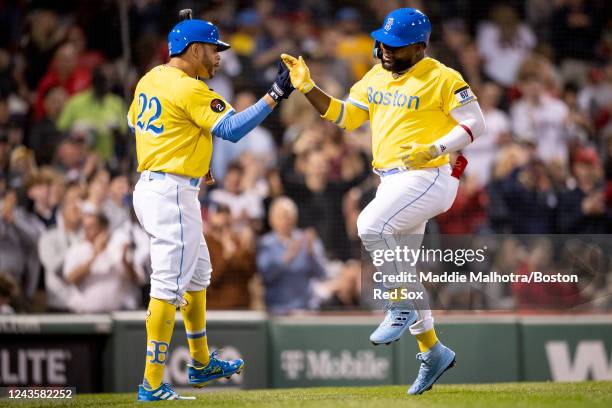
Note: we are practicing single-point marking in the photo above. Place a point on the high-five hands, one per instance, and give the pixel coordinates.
(417, 155)
(299, 73)
(281, 87)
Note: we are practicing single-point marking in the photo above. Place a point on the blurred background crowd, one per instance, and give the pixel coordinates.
(280, 220)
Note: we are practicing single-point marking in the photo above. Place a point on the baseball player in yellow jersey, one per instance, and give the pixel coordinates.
(419, 111)
(174, 116)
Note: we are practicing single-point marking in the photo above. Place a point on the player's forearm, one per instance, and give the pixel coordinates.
(271, 102)
(319, 99)
(470, 125)
(235, 126)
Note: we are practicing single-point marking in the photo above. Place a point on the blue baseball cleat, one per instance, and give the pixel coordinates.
(434, 363)
(162, 393)
(393, 326)
(216, 368)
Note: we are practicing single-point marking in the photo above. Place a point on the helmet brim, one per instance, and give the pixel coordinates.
(222, 46)
(389, 39)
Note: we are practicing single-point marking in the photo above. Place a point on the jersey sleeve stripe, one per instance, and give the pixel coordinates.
(341, 115)
(358, 104)
(220, 119)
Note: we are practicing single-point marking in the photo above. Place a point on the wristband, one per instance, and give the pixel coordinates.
(275, 92)
(307, 87)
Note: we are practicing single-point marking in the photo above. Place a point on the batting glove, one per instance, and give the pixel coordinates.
(417, 155)
(282, 87)
(299, 72)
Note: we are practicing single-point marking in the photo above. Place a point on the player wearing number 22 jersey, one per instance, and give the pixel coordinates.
(419, 112)
(174, 116)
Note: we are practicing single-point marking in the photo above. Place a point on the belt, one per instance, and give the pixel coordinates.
(160, 175)
(388, 172)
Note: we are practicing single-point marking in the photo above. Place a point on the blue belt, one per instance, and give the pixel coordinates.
(160, 175)
(388, 172)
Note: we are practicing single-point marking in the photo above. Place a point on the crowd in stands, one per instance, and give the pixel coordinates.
(280, 221)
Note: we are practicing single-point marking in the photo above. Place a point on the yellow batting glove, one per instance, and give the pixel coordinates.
(299, 73)
(417, 155)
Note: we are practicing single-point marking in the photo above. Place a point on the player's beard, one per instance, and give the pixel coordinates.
(208, 67)
(397, 66)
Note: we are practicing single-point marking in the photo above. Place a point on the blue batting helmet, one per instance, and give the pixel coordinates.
(405, 26)
(189, 31)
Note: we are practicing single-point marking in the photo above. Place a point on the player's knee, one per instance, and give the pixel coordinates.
(200, 279)
(367, 228)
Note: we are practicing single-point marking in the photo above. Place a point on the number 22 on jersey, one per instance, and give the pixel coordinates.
(148, 116)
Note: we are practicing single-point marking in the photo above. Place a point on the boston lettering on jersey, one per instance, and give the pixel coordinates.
(395, 99)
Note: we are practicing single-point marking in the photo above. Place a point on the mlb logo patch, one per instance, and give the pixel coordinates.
(464, 95)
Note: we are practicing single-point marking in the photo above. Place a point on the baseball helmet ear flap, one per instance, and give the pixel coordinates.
(377, 50)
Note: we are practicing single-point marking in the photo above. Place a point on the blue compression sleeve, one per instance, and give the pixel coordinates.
(236, 125)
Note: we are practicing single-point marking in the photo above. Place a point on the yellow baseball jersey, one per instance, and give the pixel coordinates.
(412, 108)
(173, 116)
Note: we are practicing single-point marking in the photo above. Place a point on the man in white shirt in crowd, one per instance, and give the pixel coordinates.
(100, 269)
(53, 246)
(116, 207)
(540, 118)
(504, 42)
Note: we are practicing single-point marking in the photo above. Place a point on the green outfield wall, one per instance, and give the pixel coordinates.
(106, 353)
